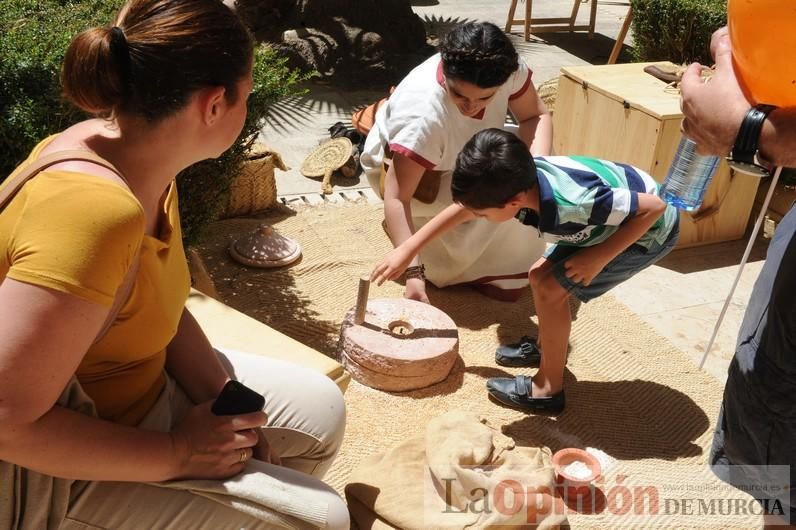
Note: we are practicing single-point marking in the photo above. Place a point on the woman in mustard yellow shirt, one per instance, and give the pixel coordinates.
(170, 79)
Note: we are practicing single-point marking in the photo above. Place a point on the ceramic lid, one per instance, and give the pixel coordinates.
(265, 247)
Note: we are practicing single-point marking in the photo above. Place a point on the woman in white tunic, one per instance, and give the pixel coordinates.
(475, 80)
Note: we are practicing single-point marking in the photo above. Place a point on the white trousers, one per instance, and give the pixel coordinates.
(306, 422)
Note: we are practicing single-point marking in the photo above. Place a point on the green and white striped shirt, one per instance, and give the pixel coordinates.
(583, 201)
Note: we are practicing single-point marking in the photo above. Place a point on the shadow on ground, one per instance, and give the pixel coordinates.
(321, 100)
(437, 27)
(626, 419)
(716, 256)
(594, 51)
(256, 292)
(513, 318)
(596, 411)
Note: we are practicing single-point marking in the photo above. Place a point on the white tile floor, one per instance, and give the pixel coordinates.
(683, 295)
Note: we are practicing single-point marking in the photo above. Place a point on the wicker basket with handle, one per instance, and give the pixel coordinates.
(547, 92)
(254, 188)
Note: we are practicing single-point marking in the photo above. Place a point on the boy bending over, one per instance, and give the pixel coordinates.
(605, 219)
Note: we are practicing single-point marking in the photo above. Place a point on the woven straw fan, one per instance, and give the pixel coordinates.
(326, 159)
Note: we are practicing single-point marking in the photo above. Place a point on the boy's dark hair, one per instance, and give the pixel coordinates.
(478, 53)
(494, 166)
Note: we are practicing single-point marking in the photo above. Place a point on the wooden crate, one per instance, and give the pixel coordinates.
(621, 113)
(782, 200)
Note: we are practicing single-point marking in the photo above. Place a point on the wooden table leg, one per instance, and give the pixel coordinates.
(510, 18)
(574, 16)
(620, 39)
(528, 8)
(592, 17)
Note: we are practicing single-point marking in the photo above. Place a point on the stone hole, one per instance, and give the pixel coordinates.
(401, 328)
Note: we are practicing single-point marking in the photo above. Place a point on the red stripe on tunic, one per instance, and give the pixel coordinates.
(522, 90)
(495, 292)
(487, 279)
(411, 155)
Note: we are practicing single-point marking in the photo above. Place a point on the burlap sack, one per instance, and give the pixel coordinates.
(461, 473)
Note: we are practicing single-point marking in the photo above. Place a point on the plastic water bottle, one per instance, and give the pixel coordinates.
(688, 177)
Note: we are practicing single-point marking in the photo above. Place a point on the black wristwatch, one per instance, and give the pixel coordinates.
(745, 153)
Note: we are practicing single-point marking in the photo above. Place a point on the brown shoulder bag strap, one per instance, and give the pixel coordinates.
(15, 184)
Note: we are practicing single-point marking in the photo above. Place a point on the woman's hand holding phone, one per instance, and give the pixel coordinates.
(211, 446)
(216, 439)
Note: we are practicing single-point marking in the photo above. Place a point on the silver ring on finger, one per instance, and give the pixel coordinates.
(243, 456)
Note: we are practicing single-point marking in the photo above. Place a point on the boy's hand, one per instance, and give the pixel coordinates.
(416, 290)
(392, 266)
(584, 265)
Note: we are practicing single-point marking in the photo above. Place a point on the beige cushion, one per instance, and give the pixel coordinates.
(228, 328)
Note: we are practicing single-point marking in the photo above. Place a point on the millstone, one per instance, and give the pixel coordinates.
(402, 345)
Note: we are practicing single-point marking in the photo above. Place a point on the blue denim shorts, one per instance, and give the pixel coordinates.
(634, 259)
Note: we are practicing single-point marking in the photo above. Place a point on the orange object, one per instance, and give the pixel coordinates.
(363, 119)
(763, 39)
(565, 459)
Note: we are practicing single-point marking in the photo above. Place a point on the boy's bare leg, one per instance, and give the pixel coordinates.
(552, 309)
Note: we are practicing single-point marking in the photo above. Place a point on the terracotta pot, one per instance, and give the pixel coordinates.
(566, 457)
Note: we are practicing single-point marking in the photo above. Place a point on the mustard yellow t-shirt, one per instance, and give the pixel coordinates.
(78, 233)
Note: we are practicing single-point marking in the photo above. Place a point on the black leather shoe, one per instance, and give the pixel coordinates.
(521, 354)
(514, 392)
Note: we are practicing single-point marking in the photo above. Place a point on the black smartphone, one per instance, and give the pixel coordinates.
(237, 398)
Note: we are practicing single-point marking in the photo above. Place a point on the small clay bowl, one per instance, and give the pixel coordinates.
(565, 457)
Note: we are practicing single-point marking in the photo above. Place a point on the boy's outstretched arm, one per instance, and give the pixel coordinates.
(395, 263)
(587, 263)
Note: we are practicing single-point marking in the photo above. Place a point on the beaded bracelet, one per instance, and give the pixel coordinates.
(416, 271)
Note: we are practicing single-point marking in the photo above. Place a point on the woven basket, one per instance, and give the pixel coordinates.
(254, 188)
(547, 93)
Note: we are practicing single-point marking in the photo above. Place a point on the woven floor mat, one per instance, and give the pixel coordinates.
(630, 393)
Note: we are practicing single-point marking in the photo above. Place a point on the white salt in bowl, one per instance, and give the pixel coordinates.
(576, 467)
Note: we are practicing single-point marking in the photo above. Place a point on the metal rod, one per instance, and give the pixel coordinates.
(746, 253)
(362, 300)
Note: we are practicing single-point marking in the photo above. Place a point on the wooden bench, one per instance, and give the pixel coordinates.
(229, 328)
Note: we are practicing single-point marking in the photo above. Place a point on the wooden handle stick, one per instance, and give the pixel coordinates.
(362, 300)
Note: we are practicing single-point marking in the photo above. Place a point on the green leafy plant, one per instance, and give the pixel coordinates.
(34, 35)
(676, 30)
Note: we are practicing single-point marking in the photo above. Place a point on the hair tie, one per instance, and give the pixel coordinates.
(121, 52)
(118, 33)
